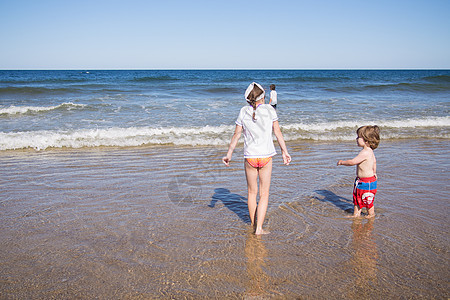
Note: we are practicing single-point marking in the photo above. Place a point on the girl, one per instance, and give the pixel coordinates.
(258, 121)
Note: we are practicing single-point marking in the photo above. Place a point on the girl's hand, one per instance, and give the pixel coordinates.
(226, 160)
(286, 158)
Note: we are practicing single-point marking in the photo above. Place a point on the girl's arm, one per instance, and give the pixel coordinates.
(280, 139)
(234, 140)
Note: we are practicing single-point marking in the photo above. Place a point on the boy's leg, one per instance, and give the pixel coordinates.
(251, 174)
(265, 174)
(356, 211)
(356, 198)
(371, 212)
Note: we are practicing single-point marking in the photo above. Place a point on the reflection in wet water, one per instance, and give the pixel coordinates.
(363, 262)
(258, 280)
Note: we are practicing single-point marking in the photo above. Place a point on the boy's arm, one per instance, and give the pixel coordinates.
(362, 156)
(280, 139)
(234, 140)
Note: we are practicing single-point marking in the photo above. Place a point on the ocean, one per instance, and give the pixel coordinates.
(74, 109)
(113, 186)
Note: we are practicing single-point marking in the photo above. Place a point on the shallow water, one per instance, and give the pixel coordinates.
(171, 222)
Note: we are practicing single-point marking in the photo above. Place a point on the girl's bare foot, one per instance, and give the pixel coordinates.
(261, 231)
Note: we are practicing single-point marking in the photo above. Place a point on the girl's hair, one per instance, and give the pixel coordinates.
(370, 134)
(252, 96)
(272, 86)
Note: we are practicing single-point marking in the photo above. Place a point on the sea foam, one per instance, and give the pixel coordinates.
(13, 110)
(120, 137)
(436, 127)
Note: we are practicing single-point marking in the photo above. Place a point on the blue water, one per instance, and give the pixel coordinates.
(42, 109)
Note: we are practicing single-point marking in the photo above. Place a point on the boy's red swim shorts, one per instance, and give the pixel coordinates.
(364, 191)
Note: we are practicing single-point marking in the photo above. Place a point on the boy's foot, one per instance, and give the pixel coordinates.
(370, 216)
(354, 216)
(351, 217)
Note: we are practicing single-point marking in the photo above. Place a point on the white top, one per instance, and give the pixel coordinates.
(273, 96)
(258, 140)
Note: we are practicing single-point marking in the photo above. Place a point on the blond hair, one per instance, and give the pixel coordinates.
(370, 134)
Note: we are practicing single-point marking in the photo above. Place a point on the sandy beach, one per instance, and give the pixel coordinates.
(172, 222)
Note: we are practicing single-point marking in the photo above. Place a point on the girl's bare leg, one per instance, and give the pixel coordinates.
(251, 174)
(265, 174)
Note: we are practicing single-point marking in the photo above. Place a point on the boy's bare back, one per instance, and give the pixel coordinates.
(365, 161)
(367, 166)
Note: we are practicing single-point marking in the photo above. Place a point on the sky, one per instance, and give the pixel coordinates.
(225, 34)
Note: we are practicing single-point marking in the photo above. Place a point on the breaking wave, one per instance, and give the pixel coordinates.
(14, 110)
(436, 127)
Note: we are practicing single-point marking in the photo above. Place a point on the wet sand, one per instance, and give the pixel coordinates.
(168, 222)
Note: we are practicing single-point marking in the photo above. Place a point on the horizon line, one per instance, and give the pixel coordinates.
(228, 69)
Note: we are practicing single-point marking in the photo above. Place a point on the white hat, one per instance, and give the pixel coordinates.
(250, 88)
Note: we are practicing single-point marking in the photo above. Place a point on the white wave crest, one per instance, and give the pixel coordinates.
(436, 127)
(432, 127)
(340, 125)
(13, 110)
(121, 137)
